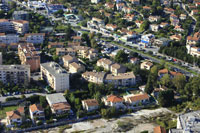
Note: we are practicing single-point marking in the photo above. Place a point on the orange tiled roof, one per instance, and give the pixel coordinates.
(159, 129)
(35, 107)
(139, 97)
(13, 115)
(114, 99)
(91, 102)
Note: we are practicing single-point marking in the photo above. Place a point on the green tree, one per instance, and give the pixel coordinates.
(121, 57)
(179, 81)
(165, 80)
(166, 98)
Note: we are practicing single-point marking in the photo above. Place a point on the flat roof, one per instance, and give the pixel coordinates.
(56, 98)
(54, 68)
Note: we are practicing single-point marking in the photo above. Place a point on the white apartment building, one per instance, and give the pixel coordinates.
(94, 77)
(8, 39)
(122, 79)
(15, 74)
(194, 51)
(55, 76)
(35, 38)
(19, 26)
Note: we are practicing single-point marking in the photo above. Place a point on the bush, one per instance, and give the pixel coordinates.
(12, 99)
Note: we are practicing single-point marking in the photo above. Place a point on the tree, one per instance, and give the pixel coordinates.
(145, 25)
(121, 57)
(179, 81)
(43, 101)
(166, 98)
(149, 87)
(165, 80)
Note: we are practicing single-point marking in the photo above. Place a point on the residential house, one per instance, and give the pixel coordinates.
(175, 22)
(111, 27)
(105, 63)
(173, 17)
(176, 37)
(146, 65)
(178, 28)
(134, 60)
(36, 112)
(90, 104)
(109, 5)
(194, 51)
(168, 10)
(56, 45)
(138, 23)
(161, 42)
(147, 8)
(153, 18)
(147, 39)
(67, 59)
(117, 68)
(95, 23)
(113, 101)
(154, 27)
(183, 16)
(94, 77)
(58, 104)
(13, 117)
(135, 2)
(76, 68)
(193, 40)
(194, 12)
(122, 79)
(120, 6)
(95, 1)
(77, 39)
(64, 51)
(172, 74)
(135, 100)
(130, 17)
(163, 25)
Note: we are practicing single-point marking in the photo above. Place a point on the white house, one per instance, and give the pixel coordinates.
(113, 101)
(134, 100)
(95, 1)
(36, 112)
(90, 104)
(13, 117)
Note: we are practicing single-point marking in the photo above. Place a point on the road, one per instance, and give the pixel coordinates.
(193, 26)
(3, 99)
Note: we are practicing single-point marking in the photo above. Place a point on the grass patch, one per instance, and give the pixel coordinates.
(62, 128)
(6, 109)
(124, 126)
(139, 30)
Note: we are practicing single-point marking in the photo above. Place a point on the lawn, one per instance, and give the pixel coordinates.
(6, 109)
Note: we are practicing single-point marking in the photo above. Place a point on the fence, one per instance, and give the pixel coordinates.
(45, 126)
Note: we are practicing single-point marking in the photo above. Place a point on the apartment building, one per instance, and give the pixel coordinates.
(122, 79)
(6, 26)
(117, 68)
(21, 26)
(55, 76)
(96, 23)
(20, 15)
(58, 103)
(76, 68)
(105, 63)
(29, 56)
(35, 38)
(94, 77)
(9, 38)
(67, 59)
(193, 40)
(15, 74)
(135, 100)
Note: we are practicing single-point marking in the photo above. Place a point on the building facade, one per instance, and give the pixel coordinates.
(55, 76)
